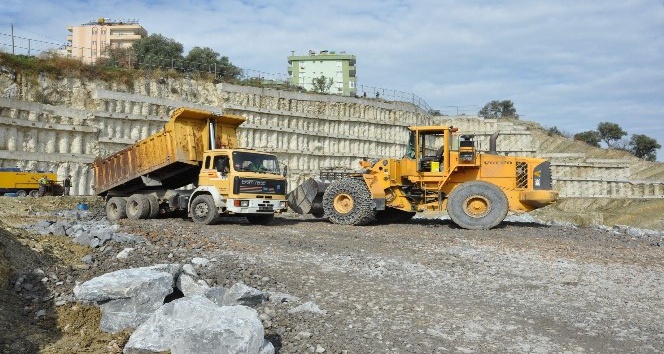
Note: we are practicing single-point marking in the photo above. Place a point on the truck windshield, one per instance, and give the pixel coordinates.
(254, 162)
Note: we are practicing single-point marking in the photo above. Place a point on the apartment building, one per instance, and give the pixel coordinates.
(303, 69)
(91, 40)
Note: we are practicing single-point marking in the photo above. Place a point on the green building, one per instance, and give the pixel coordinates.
(339, 67)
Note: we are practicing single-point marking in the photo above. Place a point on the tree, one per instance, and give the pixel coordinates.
(118, 57)
(498, 109)
(610, 133)
(589, 137)
(322, 84)
(206, 59)
(643, 147)
(158, 51)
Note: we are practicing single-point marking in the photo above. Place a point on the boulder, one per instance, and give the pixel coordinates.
(240, 294)
(196, 325)
(190, 286)
(128, 296)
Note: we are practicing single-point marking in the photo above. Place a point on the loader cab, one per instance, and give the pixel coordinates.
(430, 147)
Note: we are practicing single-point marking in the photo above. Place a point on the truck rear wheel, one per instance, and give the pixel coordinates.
(116, 208)
(348, 202)
(203, 210)
(477, 205)
(138, 207)
(260, 219)
(21, 193)
(34, 193)
(154, 206)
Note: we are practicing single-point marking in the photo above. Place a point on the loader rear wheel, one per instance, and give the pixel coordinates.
(203, 210)
(116, 208)
(348, 202)
(477, 205)
(138, 207)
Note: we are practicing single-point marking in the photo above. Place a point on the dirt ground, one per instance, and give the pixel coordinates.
(421, 287)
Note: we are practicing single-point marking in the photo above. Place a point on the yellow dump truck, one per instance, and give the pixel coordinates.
(23, 183)
(199, 149)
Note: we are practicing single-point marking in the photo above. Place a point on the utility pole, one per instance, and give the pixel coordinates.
(12, 39)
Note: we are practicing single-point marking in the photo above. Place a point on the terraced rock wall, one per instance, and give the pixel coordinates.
(63, 125)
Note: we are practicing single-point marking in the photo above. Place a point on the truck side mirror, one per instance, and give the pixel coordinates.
(285, 171)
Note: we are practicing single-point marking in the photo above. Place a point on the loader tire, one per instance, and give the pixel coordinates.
(154, 206)
(116, 208)
(348, 202)
(477, 205)
(203, 210)
(394, 216)
(138, 207)
(260, 219)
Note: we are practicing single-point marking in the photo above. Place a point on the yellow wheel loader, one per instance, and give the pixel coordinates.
(442, 171)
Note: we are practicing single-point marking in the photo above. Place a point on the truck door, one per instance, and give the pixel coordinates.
(216, 173)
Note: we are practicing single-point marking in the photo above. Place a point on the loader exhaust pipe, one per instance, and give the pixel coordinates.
(492, 143)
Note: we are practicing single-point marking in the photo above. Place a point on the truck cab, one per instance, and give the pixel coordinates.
(240, 182)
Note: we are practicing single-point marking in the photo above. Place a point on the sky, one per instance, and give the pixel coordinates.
(564, 63)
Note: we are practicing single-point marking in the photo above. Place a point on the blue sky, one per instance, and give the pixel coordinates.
(569, 64)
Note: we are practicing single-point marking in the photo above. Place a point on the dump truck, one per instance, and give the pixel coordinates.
(442, 171)
(23, 183)
(193, 165)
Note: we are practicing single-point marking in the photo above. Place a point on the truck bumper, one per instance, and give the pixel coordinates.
(538, 198)
(255, 206)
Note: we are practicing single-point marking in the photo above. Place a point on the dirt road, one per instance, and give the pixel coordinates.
(425, 286)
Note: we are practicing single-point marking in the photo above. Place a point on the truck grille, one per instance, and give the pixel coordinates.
(259, 186)
(522, 175)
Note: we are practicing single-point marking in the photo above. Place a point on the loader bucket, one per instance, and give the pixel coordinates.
(307, 197)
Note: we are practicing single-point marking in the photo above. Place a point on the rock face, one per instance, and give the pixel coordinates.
(128, 297)
(196, 325)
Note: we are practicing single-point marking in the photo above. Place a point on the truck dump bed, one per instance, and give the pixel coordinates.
(168, 159)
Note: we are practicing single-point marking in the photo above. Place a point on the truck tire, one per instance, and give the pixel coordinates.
(348, 202)
(391, 215)
(34, 193)
(203, 210)
(260, 219)
(116, 208)
(154, 206)
(477, 205)
(21, 193)
(138, 207)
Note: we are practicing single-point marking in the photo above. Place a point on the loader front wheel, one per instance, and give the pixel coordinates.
(477, 205)
(348, 202)
(203, 210)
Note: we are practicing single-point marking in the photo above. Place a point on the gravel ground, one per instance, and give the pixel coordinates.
(425, 286)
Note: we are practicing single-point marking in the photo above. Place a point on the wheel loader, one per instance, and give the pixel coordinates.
(442, 170)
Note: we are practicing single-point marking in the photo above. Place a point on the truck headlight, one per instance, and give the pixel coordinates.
(282, 204)
(241, 203)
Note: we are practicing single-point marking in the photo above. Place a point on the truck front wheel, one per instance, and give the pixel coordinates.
(477, 205)
(203, 210)
(116, 208)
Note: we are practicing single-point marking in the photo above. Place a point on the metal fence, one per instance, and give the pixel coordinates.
(32, 47)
